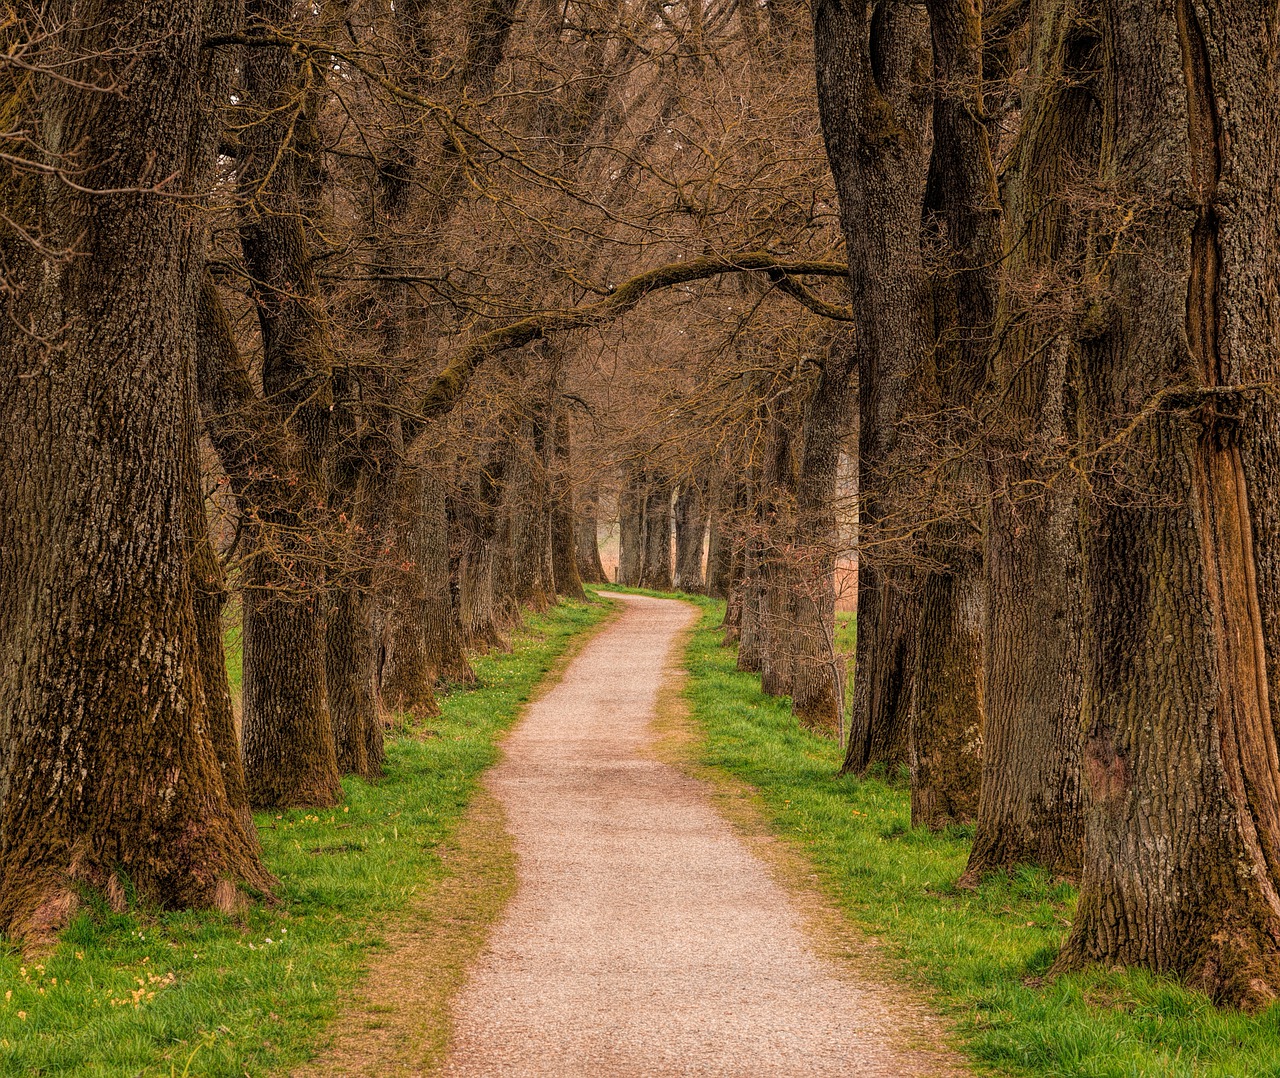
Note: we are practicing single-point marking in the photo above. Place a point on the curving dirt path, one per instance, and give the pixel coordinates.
(645, 939)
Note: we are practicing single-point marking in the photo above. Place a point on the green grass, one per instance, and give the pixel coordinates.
(978, 955)
(149, 993)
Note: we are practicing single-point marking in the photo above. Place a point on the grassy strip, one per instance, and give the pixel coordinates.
(156, 993)
(980, 955)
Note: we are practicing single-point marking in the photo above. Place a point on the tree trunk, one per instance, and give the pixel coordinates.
(564, 552)
(1181, 591)
(108, 775)
(817, 687)
(655, 568)
(946, 729)
(691, 529)
(351, 659)
(720, 540)
(586, 530)
(1030, 809)
(209, 596)
(873, 118)
(963, 226)
(631, 503)
(289, 753)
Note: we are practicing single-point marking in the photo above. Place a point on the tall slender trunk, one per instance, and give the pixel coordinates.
(1182, 597)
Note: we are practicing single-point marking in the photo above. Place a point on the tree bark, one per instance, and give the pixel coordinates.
(873, 121)
(564, 551)
(289, 752)
(631, 505)
(655, 568)
(1030, 808)
(1180, 583)
(586, 530)
(109, 776)
(818, 677)
(963, 228)
(691, 530)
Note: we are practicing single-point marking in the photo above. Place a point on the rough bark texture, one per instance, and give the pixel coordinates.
(690, 518)
(108, 771)
(1030, 809)
(655, 568)
(586, 531)
(564, 551)
(963, 228)
(289, 751)
(631, 529)
(818, 676)
(1180, 583)
(871, 75)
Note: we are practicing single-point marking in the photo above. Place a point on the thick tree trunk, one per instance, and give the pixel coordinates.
(946, 728)
(963, 226)
(873, 121)
(108, 774)
(351, 659)
(586, 530)
(289, 753)
(1182, 602)
(691, 529)
(817, 687)
(879, 727)
(1030, 809)
(655, 568)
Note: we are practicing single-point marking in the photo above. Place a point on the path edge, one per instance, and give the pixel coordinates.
(413, 1036)
(855, 957)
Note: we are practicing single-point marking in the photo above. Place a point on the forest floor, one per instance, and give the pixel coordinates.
(648, 936)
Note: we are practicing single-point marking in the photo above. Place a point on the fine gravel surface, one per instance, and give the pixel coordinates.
(645, 939)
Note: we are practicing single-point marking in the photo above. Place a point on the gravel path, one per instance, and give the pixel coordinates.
(645, 939)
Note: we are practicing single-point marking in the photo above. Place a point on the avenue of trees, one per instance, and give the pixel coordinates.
(359, 323)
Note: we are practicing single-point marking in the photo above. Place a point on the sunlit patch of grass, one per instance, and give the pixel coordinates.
(978, 954)
(154, 993)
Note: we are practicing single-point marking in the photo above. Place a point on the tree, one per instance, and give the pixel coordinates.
(1182, 599)
(109, 773)
(873, 117)
(1030, 809)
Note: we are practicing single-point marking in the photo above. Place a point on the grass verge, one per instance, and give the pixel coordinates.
(978, 955)
(199, 993)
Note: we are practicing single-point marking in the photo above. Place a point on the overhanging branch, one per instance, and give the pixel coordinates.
(448, 386)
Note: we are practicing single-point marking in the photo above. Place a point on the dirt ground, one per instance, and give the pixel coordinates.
(645, 937)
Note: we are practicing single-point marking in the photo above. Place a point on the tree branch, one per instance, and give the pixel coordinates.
(449, 385)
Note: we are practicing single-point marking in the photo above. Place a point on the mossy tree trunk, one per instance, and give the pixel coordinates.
(1182, 593)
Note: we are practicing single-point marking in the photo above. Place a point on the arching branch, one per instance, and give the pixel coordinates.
(448, 386)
